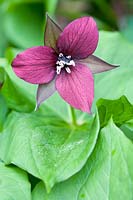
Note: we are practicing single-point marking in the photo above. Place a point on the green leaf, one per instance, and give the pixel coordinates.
(127, 128)
(3, 105)
(46, 146)
(24, 104)
(14, 184)
(3, 111)
(107, 174)
(113, 84)
(24, 24)
(1, 77)
(39, 192)
(120, 110)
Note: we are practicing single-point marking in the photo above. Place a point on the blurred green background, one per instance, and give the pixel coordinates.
(22, 21)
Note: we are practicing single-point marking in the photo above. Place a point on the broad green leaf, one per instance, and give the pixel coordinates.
(24, 25)
(107, 175)
(39, 192)
(120, 110)
(113, 84)
(14, 184)
(24, 104)
(113, 176)
(3, 111)
(127, 128)
(46, 146)
(112, 46)
(3, 105)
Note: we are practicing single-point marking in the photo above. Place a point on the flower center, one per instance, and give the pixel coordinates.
(64, 62)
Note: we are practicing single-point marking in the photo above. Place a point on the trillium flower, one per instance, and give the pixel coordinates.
(65, 64)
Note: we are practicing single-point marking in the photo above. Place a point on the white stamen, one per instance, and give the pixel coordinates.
(68, 57)
(71, 63)
(68, 70)
(57, 62)
(62, 63)
(58, 69)
(60, 54)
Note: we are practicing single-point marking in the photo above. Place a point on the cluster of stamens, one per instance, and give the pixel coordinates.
(64, 62)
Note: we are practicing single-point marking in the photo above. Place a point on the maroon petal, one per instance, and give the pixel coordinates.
(97, 65)
(77, 88)
(79, 39)
(44, 91)
(35, 65)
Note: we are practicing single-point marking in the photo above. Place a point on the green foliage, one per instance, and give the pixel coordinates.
(52, 150)
(120, 110)
(13, 183)
(1, 76)
(127, 128)
(106, 173)
(3, 111)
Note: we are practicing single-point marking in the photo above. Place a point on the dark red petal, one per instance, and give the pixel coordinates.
(97, 65)
(52, 32)
(77, 88)
(44, 91)
(79, 39)
(35, 65)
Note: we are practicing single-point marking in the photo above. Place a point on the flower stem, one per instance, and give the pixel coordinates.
(73, 116)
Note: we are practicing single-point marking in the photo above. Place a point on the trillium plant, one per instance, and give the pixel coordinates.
(65, 63)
